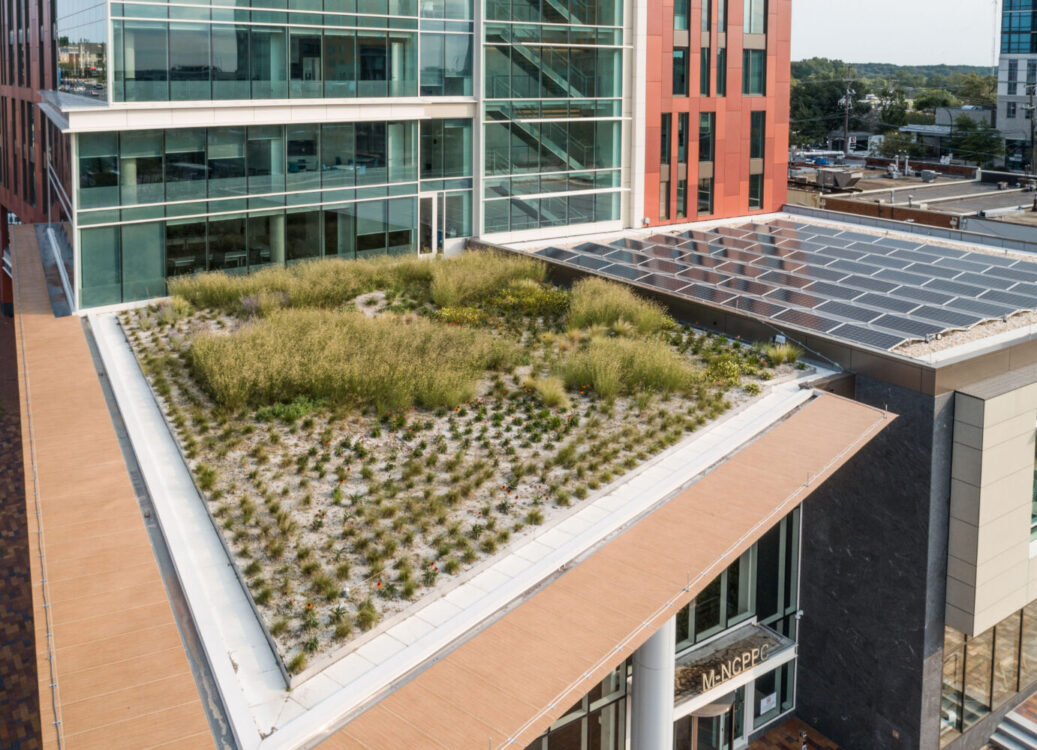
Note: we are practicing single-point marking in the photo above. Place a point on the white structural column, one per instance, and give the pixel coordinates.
(651, 693)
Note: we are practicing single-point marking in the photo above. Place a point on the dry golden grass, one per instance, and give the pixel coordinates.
(619, 366)
(344, 357)
(597, 302)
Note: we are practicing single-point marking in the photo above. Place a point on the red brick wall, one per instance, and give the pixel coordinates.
(731, 165)
(14, 194)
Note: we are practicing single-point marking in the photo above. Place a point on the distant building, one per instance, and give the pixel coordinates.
(1016, 73)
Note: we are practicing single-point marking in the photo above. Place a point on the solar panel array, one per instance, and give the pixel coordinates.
(866, 289)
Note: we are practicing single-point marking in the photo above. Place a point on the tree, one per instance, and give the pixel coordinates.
(896, 144)
(893, 107)
(977, 90)
(976, 142)
(929, 99)
(817, 108)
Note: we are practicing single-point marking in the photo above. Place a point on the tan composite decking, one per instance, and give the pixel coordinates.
(516, 677)
(122, 675)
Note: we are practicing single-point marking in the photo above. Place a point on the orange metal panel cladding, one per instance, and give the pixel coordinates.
(733, 113)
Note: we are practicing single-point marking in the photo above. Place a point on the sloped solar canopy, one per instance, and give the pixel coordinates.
(869, 290)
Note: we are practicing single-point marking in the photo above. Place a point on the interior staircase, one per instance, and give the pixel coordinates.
(1015, 732)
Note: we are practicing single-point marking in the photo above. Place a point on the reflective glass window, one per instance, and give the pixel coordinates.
(230, 62)
(145, 61)
(265, 237)
(680, 72)
(141, 177)
(185, 164)
(226, 162)
(340, 63)
(98, 169)
(305, 64)
(303, 157)
(373, 60)
(189, 61)
(266, 159)
(302, 235)
(101, 263)
(269, 59)
(185, 246)
(371, 167)
(340, 231)
(338, 167)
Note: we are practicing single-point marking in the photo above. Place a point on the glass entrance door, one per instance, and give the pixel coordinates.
(725, 731)
(428, 235)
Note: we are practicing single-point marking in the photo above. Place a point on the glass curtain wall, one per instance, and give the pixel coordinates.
(595, 722)
(156, 204)
(981, 672)
(373, 49)
(553, 85)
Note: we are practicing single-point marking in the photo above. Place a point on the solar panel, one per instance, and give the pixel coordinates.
(865, 289)
(986, 309)
(922, 295)
(947, 317)
(900, 323)
(964, 265)
(933, 271)
(1018, 301)
(795, 298)
(621, 271)
(754, 306)
(626, 256)
(902, 277)
(887, 303)
(833, 291)
(885, 261)
(555, 253)
(741, 269)
(786, 279)
(807, 320)
(666, 283)
(662, 266)
(853, 312)
(589, 262)
(1016, 273)
(954, 287)
(707, 294)
(868, 336)
(748, 286)
(871, 284)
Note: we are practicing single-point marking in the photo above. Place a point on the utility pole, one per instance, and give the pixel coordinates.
(846, 120)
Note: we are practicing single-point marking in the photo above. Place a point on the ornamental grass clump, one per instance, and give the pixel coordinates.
(616, 366)
(474, 278)
(597, 302)
(344, 357)
(780, 354)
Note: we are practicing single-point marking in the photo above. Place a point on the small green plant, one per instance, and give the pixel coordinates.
(780, 354)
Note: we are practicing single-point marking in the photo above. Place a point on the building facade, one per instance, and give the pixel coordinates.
(235, 138)
(1016, 79)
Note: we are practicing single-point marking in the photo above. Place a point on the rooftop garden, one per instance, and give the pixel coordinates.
(364, 433)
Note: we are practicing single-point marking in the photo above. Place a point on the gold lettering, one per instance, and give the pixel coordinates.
(725, 672)
(709, 680)
(756, 656)
(763, 652)
(748, 660)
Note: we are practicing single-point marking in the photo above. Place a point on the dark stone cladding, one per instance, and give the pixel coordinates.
(873, 578)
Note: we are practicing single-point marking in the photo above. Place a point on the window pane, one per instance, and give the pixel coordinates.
(339, 231)
(708, 609)
(680, 72)
(226, 157)
(664, 138)
(269, 54)
(302, 151)
(432, 69)
(757, 134)
(370, 228)
(185, 164)
(227, 245)
(340, 64)
(305, 64)
(705, 56)
(185, 247)
(302, 235)
(143, 272)
(140, 167)
(265, 240)
(978, 662)
(370, 153)
(400, 152)
(756, 191)
(705, 196)
(458, 214)
(146, 63)
(98, 169)
(953, 681)
(403, 64)
(1006, 659)
(101, 266)
(457, 65)
(230, 62)
(266, 159)
(722, 72)
(706, 122)
(739, 589)
(189, 61)
(681, 9)
(337, 160)
(768, 573)
(373, 62)
(1029, 651)
(401, 226)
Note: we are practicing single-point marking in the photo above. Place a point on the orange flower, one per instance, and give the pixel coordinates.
(309, 606)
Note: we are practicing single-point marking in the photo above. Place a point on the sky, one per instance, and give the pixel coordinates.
(905, 32)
